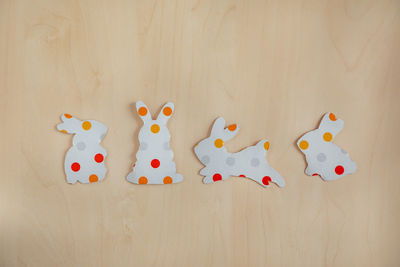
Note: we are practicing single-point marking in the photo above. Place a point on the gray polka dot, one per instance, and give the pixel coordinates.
(255, 162)
(143, 146)
(166, 146)
(102, 136)
(230, 161)
(343, 151)
(321, 157)
(81, 146)
(205, 159)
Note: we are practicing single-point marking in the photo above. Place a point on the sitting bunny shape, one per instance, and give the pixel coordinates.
(323, 157)
(250, 162)
(84, 161)
(155, 159)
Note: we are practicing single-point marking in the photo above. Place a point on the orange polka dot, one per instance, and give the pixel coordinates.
(142, 180)
(266, 145)
(68, 116)
(142, 111)
(327, 136)
(86, 125)
(332, 117)
(303, 144)
(155, 128)
(232, 127)
(218, 143)
(167, 111)
(93, 178)
(167, 180)
(64, 131)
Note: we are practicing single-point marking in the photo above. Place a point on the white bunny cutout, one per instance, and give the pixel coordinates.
(154, 159)
(219, 164)
(84, 161)
(323, 157)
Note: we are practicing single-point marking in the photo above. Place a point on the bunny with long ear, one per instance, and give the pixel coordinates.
(154, 159)
(323, 157)
(84, 161)
(220, 164)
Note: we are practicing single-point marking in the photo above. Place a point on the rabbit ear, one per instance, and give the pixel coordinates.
(166, 113)
(331, 125)
(143, 111)
(218, 127)
(230, 132)
(70, 124)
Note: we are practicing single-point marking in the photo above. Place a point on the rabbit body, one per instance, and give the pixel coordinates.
(220, 164)
(323, 157)
(84, 161)
(154, 159)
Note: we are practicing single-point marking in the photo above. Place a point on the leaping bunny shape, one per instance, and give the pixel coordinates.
(323, 157)
(220, 164)
(155, 159)
(84, 161)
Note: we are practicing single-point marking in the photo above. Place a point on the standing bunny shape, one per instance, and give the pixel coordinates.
(84, 161)
(323, 157)
(250, 162)
(155, 159)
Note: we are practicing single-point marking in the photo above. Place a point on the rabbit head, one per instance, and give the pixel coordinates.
(154, 129)
(82, 129)
(215, 142)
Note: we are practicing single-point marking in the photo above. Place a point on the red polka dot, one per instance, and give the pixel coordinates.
(134, 165)
(339, 170)
(242, 175)
(155, 163)
(75, 166)
(315, 174)
(99, 158)
(266, 180)
(217, 177)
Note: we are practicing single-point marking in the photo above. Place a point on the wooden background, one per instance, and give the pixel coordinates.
(273, 67)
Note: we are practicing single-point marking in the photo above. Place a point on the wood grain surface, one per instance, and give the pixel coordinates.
(274, 67)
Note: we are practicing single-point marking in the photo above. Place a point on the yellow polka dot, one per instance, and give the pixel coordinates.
(303, 144)
(327, 136)
(64, 131)
(266, 145)
(86, 125)
(142, 180)
(219, 143)
(155, 128)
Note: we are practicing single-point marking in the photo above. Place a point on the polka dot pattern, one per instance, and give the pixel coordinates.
(232, 127)
(93, 178)
(339, 170)
(142, 111)
(327, 136)
(155, 163)
(266, 180)
(68, 116)
(230, 161)
(255, 162)
(143, 180)
(167, 180)
(332, 117)
(75, 166)
(266, 145)
(167, 111)
(218, 143)
(155, 128)
(99, 158)
(303, 144)
(217, 177)
(86, 125)
(81, 146)
(205, 159)
(321, 157)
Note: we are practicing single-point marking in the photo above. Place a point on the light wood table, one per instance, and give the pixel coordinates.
(273, 67)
